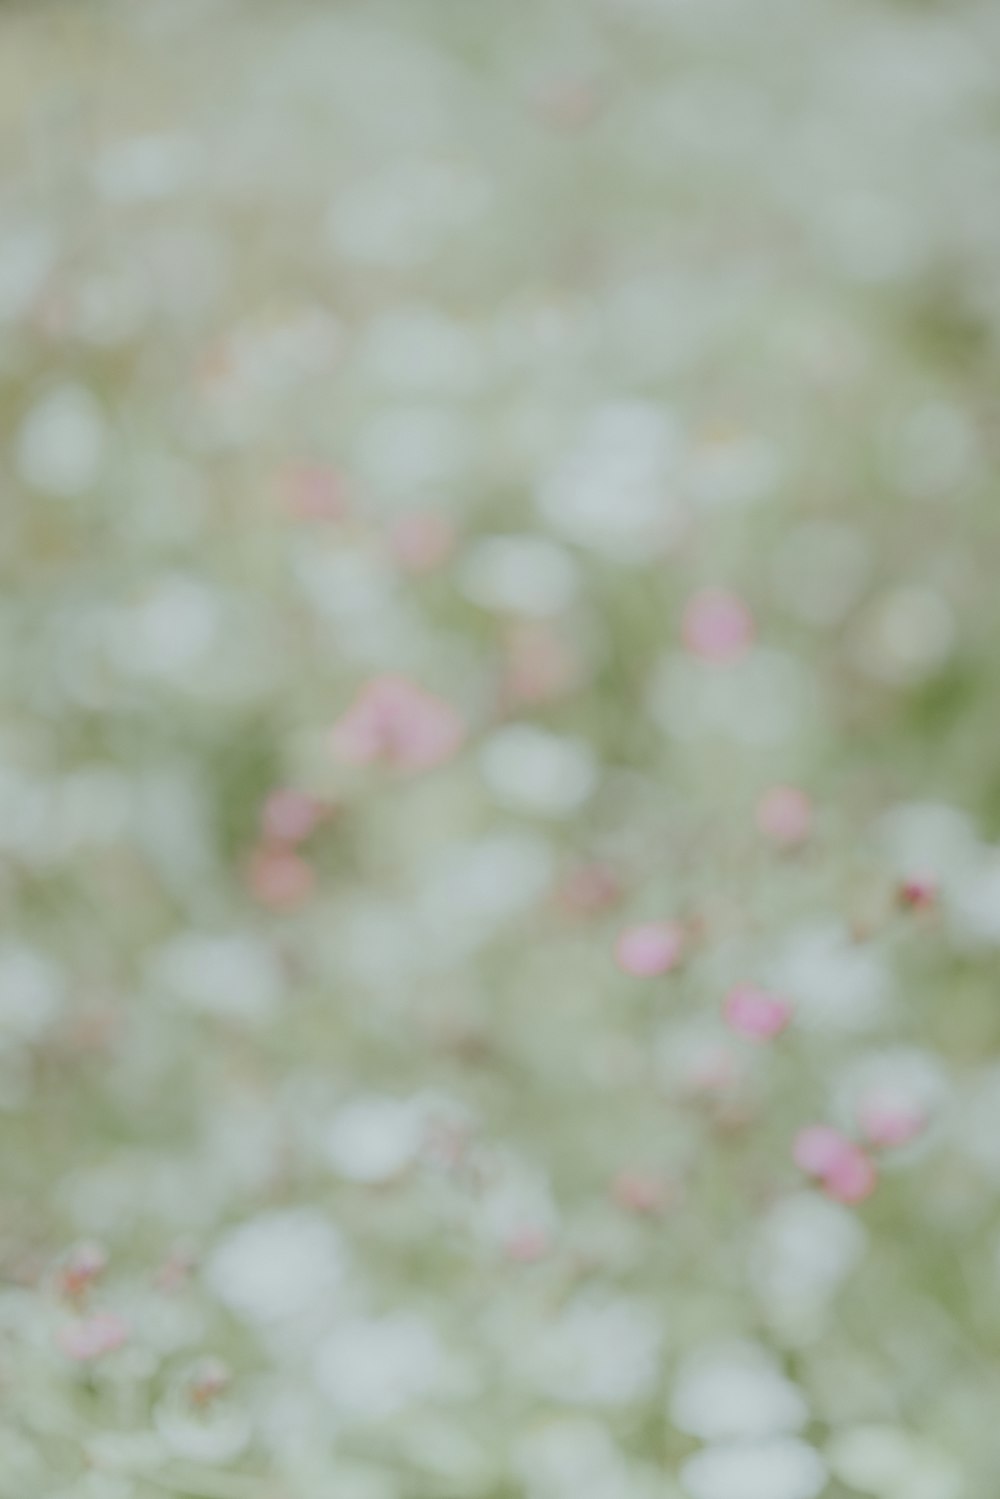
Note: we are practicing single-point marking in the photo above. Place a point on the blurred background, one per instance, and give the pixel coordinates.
(499, 796)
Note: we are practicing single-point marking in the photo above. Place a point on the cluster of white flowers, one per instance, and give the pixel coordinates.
(497, 806)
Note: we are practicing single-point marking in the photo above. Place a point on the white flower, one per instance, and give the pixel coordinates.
(519, 574)
(974, 901)
(32, 992)
(531, 770)
(373, 1139)
(597, 1352)
(469, 889)
(234, 976)
(169, 630)
(785, 1468)
(886, 1461)
(735, 1390)
(610, 492)
(371, 1369)
(837, 984)
(61, 442)
(804, 1249)
(927, 840)
(278, 1267)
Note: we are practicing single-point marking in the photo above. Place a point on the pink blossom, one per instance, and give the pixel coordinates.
(540, 664)
(785, 816)
(420, 542)
(311, 492)
(589, 889)
(919, 894)
(91, 1337)
(527, 1244)
(289, 816)
(852, 1178)
(888, 1123)
(717, 626)
(818, 1147)
(756, 1013)
(651, 949)
(395, 721)
(641, 1191)
(280, 878)
(82, 1267)
(842, 1168)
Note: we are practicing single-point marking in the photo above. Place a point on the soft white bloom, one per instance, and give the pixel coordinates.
(802, 1251)
(764, 699)
(467, 890)
(233, 976)
(278, 1267)
(735, 1390)
(519, 574)
(61, 442)
(836, 984)
(370, 1369)
(611, 492)
(572, 1459)
(928, 840)
(169, 630)
(907, 634)
(373, 1139)
(531, 770)
(144, 168)
(890, 1463)
(32, 992)
(597, 1351)
(418, 348)
(974, 901)
(784, 1468)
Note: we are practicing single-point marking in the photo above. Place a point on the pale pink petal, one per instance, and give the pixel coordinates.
(310, 492)
(92, 1337)
(818, 1148)
(394, 720)
(421, 542)
(718, 626)
(785, 816)
(890, 1124)
(280, 879)
(851, 1178)
(651, 949)
(756, 1013)
(290, 816)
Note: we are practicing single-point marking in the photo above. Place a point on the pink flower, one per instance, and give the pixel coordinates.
(756, 1013)
(785, 816)
(852, 1178)
(421, 542)
(310, 492)
(395, 721)
(280, 878)
(540, 664)
(91, 1337)
(290, 816)
(526, 1245)
(589, 889)
(651, 949)
(918, 894)
(842, 1168)
(717, 626)
(641, 1191)
(888, 1124)
(82, 1267)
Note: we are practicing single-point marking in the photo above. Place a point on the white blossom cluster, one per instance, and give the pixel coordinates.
(499, 844)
